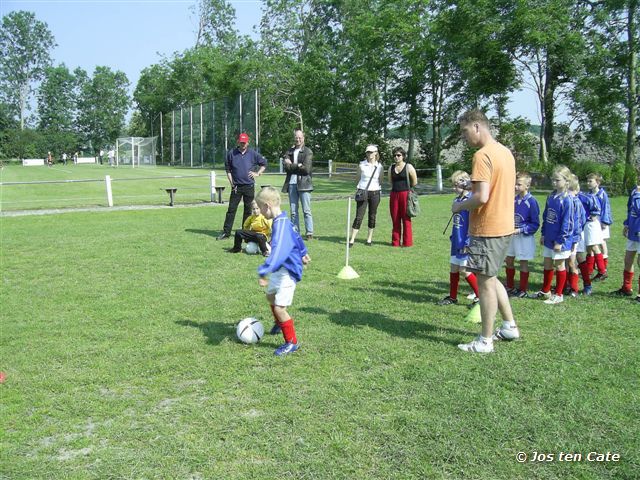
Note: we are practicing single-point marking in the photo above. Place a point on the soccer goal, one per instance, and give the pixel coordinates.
(136, 151)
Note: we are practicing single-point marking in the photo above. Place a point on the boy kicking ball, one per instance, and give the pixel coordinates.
(284, 266)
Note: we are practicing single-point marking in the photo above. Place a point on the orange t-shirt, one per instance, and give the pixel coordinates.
(495, 165)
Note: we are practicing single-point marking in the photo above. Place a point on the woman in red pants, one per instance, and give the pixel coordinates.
(398, 203)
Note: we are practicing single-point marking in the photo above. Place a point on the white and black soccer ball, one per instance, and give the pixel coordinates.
(250, 330)
(252, 248)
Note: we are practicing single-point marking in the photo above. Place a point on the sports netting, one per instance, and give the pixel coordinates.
(201, 134)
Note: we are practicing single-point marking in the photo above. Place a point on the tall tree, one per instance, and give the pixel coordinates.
(102, 106)
(216, 20)
(57, 99)
(25, 46)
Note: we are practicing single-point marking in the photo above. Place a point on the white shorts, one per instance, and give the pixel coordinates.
(605, 232)
(580, 246)
(461, 262)
(593, 233)
(552, 254)
(633, 246)
(523, 247)
(283, 285)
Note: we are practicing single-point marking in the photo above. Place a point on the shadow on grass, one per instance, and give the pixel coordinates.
(217, 332)
(209, 233)
(415, 292)
(400, 328)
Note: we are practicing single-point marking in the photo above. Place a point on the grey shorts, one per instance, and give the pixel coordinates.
(487, 254)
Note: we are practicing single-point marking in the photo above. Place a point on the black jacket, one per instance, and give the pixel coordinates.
(303, 169)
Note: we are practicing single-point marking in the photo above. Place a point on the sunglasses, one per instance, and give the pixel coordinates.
(398, 155)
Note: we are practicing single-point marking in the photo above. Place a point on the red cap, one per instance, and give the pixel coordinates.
(243, 138)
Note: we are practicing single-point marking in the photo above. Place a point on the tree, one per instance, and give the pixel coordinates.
(57, 99)
(25, 45)
(102, 106)
(216, 20)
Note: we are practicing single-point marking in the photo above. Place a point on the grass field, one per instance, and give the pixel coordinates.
(118, 341)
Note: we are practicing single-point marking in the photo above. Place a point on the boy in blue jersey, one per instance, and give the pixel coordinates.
(579, 220)
(461, 182)
(523, 243)
(284, 267)
(604, 215)
(592, 239)
(631, 231)
(557, 236)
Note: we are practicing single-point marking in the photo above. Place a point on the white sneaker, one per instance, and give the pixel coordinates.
(506, 332)
(471, 296)
(542, 294)
(477, 346)
(554, 299)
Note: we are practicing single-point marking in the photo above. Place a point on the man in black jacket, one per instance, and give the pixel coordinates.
(298, 184)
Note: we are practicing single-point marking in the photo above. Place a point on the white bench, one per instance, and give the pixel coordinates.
(32, 162)
(86, 160)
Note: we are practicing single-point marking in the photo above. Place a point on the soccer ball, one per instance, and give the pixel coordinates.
(250, 330)
(252, 248)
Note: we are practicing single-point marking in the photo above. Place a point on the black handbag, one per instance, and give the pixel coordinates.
(363, 195)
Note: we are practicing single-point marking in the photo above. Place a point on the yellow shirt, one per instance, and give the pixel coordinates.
(495, 165)
(259, 224)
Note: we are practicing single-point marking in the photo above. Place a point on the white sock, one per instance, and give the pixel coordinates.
(509, 324)
(487, 340)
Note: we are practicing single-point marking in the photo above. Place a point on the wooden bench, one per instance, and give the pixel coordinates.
(171, 191)
(219, 191)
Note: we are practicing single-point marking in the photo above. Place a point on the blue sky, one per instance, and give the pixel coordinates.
(130, 35)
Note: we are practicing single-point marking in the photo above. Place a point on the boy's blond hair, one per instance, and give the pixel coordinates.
(525, 177)
(596, 176)
(268, 195)
(574, 183)
(458, 176)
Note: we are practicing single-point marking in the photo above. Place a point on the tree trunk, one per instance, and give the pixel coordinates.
(632, 94)
(549, 110)
(412, 129)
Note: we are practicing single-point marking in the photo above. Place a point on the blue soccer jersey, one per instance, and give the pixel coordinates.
(460, 231)
(606, 218)
(579, 219)
(527, 214)
(632, 222)
(287, 249)
(557, 225)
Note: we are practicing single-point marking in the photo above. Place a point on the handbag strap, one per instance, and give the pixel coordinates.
(375, 169)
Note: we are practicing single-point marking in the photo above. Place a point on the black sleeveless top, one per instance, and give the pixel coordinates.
(399, 181)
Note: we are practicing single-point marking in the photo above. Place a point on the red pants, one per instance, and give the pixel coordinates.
(401, 222)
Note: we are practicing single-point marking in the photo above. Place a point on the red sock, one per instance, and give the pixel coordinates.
(454, 280)
(547, 280)
(586, 276)
(288, 331)
(573, 281)
(600, 263)
(472, 280)
(627, 283)
(591, 260)
(524, 281)
(511, 275)
(561, 280)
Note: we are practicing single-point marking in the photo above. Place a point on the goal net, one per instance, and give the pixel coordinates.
(136, 151)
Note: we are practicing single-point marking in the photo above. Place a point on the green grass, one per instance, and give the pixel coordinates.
(118, 341)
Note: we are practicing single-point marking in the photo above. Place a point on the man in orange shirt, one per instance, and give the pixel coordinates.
(491, 224)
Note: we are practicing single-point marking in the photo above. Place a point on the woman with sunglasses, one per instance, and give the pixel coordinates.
(368, 193)
(398, 173)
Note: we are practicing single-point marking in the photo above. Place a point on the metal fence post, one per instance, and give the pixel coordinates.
(213, 186)
(439, 177)
(330, 167)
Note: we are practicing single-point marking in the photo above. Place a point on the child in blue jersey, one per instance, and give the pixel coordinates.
(591, 238)
(461, 182)
(557, 235)
(631, 231)
(284, 267)
(523, 243)
(597, 255)
(579, 220)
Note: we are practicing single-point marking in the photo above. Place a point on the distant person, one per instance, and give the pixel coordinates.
(242, 165)
(112, 156)
(402, 177)
(64, 158)
(298, 164)
(367, 193)
(100, 155)
(284, 267)
(631, 231)
(491, 224)
(49, 159)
